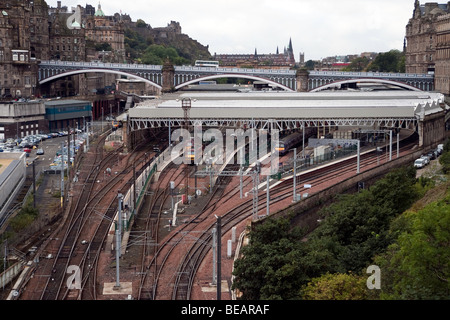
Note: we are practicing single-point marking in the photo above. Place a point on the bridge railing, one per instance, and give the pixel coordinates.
(371, 74)
(98, 65)
(235, 70)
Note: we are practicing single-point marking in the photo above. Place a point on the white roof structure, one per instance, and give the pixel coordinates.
(385, 108)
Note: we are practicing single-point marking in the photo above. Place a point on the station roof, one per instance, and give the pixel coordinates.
(283, 105)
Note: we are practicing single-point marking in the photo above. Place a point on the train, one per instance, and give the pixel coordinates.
(287, 143)
(116, 124)
(190, 152)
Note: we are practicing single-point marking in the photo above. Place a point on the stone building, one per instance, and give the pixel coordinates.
(421, 37)
(106, 30)
(285, 60)
(427, 45)
(66, 37)
(18, 68)
(442, 73)
(39, 34)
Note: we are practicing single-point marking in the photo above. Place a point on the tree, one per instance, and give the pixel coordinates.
(336, 287)
(357, 65)
(277, 264)
(444, 160)
(417, 266)
(269, 267)
(310, 64)
(356, 227)
(156, 54)
(141, 23)
(392, 61)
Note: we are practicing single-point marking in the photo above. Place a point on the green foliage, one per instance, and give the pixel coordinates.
(141, 23)
(417, 266)
(357, 225)
(310, 64)
(157, 54)
(269, 268)
(135, 43)
(276, 264)
(103, 46)
(444, 160)
(24, 218)
(336, 287)
(358, 64)
(143, 50)
(391, 61)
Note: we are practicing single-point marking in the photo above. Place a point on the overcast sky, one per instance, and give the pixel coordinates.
(319, 28)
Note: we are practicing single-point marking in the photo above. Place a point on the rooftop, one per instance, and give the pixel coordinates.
(282, 105)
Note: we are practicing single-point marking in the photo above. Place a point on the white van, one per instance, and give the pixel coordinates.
(420, 163)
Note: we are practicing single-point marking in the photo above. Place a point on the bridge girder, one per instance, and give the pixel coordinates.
(185, 75)
(137, 124)
(365, 80)
(75, 72)
(236, 76)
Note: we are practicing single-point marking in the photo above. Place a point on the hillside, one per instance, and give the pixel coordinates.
(139, 35)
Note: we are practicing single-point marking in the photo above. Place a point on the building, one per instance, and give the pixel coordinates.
(18, 68)
(107, 33)
(421, 37)
(66, 37)
(12, 177)
(20, 119)
(442, 70)
(62, 114)
(285, 60)
(39, 34)
(427, 43)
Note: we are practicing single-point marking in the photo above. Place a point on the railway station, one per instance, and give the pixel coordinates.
(419, 111)
(160, 206)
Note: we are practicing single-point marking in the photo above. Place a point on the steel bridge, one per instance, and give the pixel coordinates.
(177, 77)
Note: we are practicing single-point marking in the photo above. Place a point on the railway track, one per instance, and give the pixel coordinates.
(79, 240)
(193, 256)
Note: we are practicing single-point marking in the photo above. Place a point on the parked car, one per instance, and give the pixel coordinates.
(420, 163)
(426, 159)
